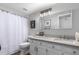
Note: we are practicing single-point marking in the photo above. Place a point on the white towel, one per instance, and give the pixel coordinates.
(77, 36)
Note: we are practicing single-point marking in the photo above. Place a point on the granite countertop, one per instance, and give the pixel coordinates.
(56, 40)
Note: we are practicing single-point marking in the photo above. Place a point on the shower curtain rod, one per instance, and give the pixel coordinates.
(10, 12)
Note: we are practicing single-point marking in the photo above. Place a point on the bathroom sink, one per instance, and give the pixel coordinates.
(24, 45)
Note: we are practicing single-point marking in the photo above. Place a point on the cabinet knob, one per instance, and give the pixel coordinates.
(40, 43)
(74, 52)
(46, 50)
(53, 46)
(36, 49)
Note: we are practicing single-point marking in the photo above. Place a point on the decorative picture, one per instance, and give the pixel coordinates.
(32, 24)
(47, 24)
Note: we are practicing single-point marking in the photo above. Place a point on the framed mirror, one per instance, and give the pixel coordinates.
(65, 21)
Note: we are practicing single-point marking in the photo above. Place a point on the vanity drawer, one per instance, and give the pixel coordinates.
(53, 52)
(51, 45)
(45, 44)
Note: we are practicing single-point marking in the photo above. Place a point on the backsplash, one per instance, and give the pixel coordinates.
(61, 36)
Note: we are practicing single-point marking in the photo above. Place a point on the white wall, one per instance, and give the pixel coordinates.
(59, 8)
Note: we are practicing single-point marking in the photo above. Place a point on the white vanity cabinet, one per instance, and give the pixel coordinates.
(40, 47)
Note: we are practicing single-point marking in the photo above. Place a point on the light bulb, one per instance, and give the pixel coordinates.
(49, 12)
(40, 15)
(44, 14)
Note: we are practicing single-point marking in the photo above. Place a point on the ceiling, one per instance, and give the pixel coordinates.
(19, 8)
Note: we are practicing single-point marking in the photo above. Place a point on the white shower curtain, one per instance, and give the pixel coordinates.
(13, 31)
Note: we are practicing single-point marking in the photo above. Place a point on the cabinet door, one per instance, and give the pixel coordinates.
(33, 50)
(36, 48)
(41, 50)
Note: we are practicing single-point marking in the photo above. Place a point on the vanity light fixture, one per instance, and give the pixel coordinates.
(45, 12)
